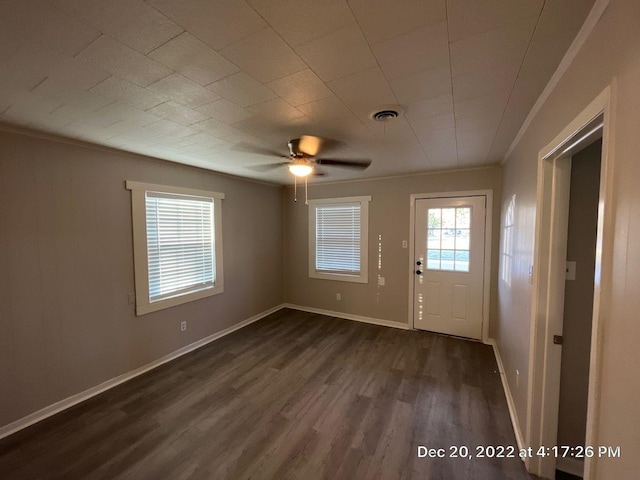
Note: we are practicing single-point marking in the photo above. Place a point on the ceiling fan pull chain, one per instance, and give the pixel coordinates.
(306, 197)
(295, 188)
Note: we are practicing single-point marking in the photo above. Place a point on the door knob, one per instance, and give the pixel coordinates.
(418, 272)
(418, 263)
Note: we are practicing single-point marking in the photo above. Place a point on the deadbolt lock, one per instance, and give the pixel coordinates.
(557, 339)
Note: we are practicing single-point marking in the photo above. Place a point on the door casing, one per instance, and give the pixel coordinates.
(486, 294)
(552, 202)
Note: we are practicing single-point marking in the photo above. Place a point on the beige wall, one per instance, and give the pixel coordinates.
(66, 267)
(388, 227)
(611, 55)
(578, 295)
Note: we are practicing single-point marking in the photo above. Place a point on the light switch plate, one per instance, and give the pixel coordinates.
(570, 271)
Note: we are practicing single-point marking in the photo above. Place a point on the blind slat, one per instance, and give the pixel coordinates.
(338, 238)
(180, 244)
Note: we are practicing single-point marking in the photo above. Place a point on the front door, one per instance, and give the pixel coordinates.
(449, 265)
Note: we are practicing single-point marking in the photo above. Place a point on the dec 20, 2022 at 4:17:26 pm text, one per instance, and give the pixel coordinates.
(510, 451)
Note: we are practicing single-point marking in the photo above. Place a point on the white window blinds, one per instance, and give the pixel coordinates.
(180, 244)
(338, 238)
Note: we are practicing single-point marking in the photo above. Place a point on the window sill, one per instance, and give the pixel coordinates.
(177, 300)
(339, 277)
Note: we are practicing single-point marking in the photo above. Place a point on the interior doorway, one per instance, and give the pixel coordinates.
(578, 303)
(549, 281)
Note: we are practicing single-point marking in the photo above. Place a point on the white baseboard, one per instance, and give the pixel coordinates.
(574, 466)
(507, 394)
(93, 391)
(348, 316)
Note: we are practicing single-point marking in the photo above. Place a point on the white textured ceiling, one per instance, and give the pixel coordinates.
(192, 80)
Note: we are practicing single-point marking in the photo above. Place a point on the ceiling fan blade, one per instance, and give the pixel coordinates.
(267, 167)
(248, 148)
(310, 145)
(336, 162)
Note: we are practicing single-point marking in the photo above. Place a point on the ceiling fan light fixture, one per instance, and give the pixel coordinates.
(300, 169)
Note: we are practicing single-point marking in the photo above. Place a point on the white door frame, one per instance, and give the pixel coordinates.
(552, 203)
(488, 194)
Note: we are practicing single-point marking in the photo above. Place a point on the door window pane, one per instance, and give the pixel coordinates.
(462, 239)
(462, 260)
(449, 239)
(433, 259)
(448, 218)
(434, 218)
(463, 218)
(433, 238)
(447, 259)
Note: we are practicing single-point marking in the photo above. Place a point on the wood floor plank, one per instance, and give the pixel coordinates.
(294, 396)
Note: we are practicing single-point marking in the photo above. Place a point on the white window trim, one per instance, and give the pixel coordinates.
(141, 266)
(364, 239)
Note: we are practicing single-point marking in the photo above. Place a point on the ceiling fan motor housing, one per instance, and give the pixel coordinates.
(294, 148)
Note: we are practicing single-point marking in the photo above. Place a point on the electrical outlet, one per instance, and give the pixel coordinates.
(404, 244)
(338, 296)
(183, 326)
(131, 298)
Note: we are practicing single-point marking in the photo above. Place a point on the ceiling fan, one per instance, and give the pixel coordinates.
(303, 159)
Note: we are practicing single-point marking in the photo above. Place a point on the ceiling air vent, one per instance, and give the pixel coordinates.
(385, 114)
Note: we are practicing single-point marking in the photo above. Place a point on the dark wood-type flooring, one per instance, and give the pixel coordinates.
(293, 396)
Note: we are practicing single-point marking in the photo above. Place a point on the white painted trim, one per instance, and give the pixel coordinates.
(507, 393)
(543, 388)
(572, 465)
(595, 108)
(603, 272)
(320, 201)
(98, 389)
(486, 302)
(488, 237)
(349, 316)
(152, 187)
(587, 27)
(140, 254)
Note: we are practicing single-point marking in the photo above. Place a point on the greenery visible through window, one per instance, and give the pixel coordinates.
(448, 239)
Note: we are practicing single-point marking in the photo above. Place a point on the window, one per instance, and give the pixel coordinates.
(177, 243)
(338, 239)
(448, 239)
